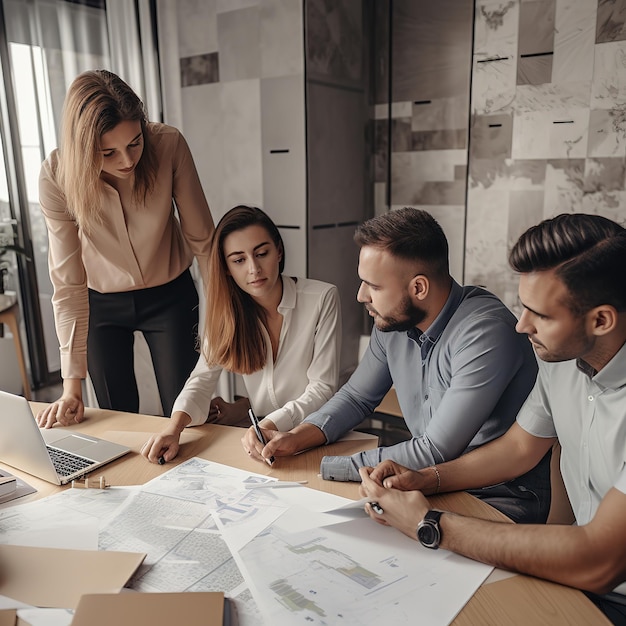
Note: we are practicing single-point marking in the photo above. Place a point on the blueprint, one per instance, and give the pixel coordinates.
(174, 520)
(355, 573)
(68, 519)
(278, 554)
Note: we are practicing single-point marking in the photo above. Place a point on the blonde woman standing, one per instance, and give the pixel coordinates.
(119, 256)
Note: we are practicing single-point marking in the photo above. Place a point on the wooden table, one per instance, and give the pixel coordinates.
(512, 600)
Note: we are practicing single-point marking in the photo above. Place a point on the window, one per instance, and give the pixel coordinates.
(44, 45)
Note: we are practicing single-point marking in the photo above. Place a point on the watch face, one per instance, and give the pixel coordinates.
(428, 531)
(428, 535)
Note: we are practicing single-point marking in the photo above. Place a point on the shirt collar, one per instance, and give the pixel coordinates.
(428, 338)
(612, 375)
(288, 301)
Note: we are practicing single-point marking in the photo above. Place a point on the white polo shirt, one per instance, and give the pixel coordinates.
(587, 412)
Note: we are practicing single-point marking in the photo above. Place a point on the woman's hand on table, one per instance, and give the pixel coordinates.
(163, 447)
(68, 409)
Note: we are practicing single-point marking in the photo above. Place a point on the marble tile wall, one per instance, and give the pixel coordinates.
(264, 133)
(529, 123)
(541, 130)
(339, 185)
(536, 42)
(421, 139)
(548, 135)
(241, 93)
(611, 22)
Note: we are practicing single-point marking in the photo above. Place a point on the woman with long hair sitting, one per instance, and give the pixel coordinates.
(281, 334)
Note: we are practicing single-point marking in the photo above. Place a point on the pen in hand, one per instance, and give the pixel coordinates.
(259, 433)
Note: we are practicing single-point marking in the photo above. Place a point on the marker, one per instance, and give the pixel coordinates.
(377, 508)
(259, 433)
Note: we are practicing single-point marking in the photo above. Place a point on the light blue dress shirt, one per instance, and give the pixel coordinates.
(460, 384)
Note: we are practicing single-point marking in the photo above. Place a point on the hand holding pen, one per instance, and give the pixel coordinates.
(259, 432)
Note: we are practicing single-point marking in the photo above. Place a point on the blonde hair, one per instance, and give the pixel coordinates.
(233, 327)
(96, 102)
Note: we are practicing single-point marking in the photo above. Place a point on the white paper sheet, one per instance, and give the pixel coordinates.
(281, 551)
(69, 519)
(354, 573)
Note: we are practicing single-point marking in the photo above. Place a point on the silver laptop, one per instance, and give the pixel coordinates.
(57, 455)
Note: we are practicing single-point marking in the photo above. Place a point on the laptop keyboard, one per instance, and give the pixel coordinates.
(66, 463)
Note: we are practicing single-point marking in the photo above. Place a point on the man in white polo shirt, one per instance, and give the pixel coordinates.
(573, 291)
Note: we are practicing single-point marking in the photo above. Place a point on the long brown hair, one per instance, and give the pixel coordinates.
(96, 102)
(233, 327)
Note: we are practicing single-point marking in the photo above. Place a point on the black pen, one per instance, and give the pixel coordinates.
(259, 433)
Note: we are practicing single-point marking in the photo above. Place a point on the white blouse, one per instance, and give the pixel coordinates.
(306, 371)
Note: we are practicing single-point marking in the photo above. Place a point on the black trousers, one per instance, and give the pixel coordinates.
(168, 318)
(526, 499)
(613, 605)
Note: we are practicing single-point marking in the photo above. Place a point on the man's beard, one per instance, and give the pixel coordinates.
(405, 317)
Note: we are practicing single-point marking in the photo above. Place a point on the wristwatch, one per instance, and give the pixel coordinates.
(429, 531)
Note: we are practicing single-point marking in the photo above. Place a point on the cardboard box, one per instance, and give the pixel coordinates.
(129, 609)
(157, 609)
(89, 582)
(56, 578)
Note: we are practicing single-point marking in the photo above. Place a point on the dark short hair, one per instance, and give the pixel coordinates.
(587, 252)
(410, 234)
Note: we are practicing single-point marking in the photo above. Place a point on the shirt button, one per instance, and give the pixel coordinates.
(590, 398)
(426, 397)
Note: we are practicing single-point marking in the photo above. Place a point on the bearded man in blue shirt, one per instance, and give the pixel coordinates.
(460, 370)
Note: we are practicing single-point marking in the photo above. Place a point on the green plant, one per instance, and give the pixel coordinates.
(7, 239)
(11, 248)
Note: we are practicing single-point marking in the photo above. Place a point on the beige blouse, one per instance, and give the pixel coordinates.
(136, 246)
